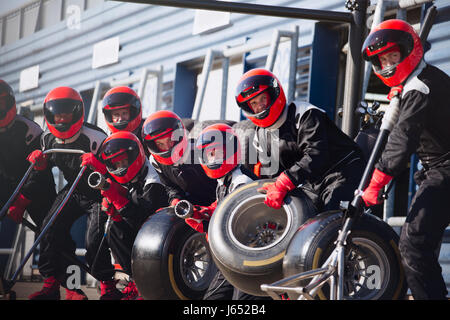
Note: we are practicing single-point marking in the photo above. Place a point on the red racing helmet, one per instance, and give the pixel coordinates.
(167, 125)
(220, 150)
(64, 101)
(389, 35)
(123, 155)
(252, 84)
(119, 98)
(7, 104)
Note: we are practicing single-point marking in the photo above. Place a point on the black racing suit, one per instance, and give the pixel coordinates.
(423, 129)
(17, 141)
(313, 152)
(220, 288)
(146, 195)
(187, 180)
(84, 200)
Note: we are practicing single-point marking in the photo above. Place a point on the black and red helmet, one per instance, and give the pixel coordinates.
(165, 124)
(220, 150)
(119, 98)
(7, 104)
(254, 83)
(123, 155)
(389, 35)
(64, 101)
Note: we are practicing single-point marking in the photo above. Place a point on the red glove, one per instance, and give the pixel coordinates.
(116, 194)
(16, 210)
(89, 159)
(395, 91)
(174, 202)
(39, 159)
(109, 209)
(372, 194)
(200, 218)
(276, 192)
(257, 169)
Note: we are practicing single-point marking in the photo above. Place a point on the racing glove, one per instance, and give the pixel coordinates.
(109, 209)
(39, 159)
(373, 193)
(276, 192)
(16, 210)
(89, 159)
(174, 202)
(200, 217)
(116, 194)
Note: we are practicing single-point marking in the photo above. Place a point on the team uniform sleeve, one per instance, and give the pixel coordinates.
(403, 141)
(135, 212)
(312, 139)
(39, 183)
(172, 190)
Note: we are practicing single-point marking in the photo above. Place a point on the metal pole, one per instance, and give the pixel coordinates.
(353, 83)
(159, 88)
(16, 191)
(143, 83)
(251, 8)
(378, 16)
(223, 97)
(92, 117)
(293, 64)
(49, 224)
(207, 66)
(270, 61)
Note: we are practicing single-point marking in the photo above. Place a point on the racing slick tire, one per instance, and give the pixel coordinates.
(170, 260)
(248, 239)
(373, 269)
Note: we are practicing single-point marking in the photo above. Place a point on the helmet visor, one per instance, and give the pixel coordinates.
(118, 155)
(160, 129)
(63, 106)
(119, 100)
(252, 87)
(383, 40)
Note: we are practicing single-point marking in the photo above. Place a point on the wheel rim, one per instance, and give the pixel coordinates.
(367, 270)
(196, 263)
(254, 226)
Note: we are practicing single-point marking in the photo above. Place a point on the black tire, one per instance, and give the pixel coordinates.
(165, 258)
(373, 267)
(248, 239)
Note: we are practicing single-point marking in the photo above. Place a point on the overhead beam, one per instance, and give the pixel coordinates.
(255, 9)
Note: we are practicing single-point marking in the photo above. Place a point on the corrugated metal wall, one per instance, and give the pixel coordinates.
(149, 36)
(439, 38)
